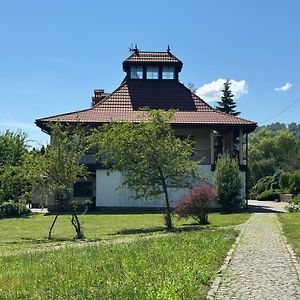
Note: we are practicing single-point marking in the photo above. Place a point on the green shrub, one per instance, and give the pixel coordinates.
(284, 181)
(263, 184)
(268, 195)
(295, 183)
(296, 200)
(275, 181)
(228, 182)
(12, 209)
(290, 182)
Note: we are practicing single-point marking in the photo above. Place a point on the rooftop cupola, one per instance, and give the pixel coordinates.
(149, 65)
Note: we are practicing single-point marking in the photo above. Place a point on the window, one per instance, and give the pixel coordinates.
(136, 73)
(168, 73)
(152, 72)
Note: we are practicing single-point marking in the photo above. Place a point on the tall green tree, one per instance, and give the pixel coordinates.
(149, 156)
(14, 182)
(227, 103)
(56, 171)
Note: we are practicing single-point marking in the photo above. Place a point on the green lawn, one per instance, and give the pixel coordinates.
(291, 225)
(178, 266)
(18, 234)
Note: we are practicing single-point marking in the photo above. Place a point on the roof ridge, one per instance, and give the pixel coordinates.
(204, 102)
(64, 114)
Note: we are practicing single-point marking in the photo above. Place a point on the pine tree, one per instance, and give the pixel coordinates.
(227, 103)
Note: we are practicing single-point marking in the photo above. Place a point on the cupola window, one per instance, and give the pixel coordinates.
(152, 73)
(136, 73)
(168, 73)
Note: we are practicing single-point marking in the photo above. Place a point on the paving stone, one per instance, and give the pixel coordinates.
(261, 266)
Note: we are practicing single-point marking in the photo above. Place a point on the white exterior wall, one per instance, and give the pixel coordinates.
(108, 194)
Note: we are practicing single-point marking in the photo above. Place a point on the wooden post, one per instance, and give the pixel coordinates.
(241, 146)
(224, 143)
(247, 172)
(231, 142)
(212, 148)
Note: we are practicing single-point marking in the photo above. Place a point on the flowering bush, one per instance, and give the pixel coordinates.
(197, 203)
(293, 207)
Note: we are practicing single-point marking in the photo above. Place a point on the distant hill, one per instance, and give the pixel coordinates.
(294, 128)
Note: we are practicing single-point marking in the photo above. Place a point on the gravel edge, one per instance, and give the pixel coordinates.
(217, 281)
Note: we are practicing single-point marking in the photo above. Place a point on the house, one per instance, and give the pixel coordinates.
(152, 80)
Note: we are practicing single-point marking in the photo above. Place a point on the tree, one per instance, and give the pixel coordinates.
(270, 151)
(228, 182)
(56, 171)
(14, 182)
(227, 103)
(12, 148)
(148, 155)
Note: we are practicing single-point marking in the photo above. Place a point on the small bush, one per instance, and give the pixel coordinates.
(293, 207)
(296, 200)
(197, 203)
(268, 195)
(13, 209)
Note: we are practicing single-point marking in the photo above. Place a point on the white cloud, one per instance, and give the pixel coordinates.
(212, 91)
(284, 88)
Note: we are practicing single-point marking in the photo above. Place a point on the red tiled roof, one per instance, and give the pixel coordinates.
(97, 115)
(147, 56)
(123, 105)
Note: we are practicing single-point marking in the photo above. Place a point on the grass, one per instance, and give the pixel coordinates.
(177, 266)
(291, 224)
(29, 233)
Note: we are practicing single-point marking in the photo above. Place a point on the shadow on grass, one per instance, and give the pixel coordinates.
(25, 216)
(46, 240)
(186, 228)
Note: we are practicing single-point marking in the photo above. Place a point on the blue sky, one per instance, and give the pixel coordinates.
(53, 54)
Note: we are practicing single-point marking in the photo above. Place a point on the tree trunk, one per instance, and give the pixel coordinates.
(76, 223)
(53, 223)
(168, 209)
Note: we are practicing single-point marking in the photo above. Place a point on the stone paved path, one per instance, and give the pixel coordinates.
(261, 266)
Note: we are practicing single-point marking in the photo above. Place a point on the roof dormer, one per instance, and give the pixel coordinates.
(148, 65)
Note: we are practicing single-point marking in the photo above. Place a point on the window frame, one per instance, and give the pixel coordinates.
(152, 72)
(163, 73)
(140, 70)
